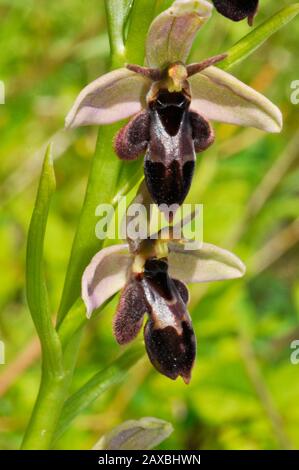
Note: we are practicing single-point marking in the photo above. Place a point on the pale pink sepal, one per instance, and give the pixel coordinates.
(105, 275)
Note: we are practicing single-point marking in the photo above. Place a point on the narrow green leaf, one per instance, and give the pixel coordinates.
(35, 283)
(114, 374)
(259, 35)
(141, 434)
(75, 320)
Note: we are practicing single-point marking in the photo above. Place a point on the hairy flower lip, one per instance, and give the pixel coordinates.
(240, 104)
(169, 138)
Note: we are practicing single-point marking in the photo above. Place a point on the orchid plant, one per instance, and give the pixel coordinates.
(170, 105)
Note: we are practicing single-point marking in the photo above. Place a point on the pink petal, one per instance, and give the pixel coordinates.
(171, 34)
(219, 96)
(110, 98)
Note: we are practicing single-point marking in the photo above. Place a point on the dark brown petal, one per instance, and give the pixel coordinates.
(171, 353)
(237, 10)
(132, 139)
(130, 311)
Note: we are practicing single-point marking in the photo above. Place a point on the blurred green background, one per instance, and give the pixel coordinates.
(244, 392)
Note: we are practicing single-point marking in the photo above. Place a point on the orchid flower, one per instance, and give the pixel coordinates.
(237, 10)
(152, 275)
(171, 104)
